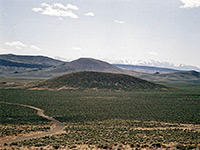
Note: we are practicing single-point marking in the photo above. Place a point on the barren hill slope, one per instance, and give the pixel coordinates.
(95, 81)
(86, 64)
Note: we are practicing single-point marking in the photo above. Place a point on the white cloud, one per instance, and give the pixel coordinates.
(119, 21)
(36, 9)
(16, 44)
(58, 10)
(153, 53)
(190, 3)
(59, 5)
(77, 48)
(59, 13)
(2, 50)
(91, 14)
(73, 7)
(45, 5)
(35, 47)
(20, 45)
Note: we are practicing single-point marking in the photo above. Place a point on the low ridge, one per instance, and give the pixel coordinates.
(28, 59)
(147, 69)
(96, 81)
(184, 75)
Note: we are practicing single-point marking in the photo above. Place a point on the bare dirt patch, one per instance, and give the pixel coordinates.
(58, 126)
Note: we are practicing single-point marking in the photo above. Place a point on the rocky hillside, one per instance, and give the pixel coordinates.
(95, 81)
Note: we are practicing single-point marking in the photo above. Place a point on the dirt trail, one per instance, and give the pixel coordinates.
(59, 126)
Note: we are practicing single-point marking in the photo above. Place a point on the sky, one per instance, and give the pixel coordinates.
(147, 30)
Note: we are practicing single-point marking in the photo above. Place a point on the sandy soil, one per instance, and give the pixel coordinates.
(59, 127)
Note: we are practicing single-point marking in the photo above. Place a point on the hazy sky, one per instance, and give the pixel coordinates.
(161, 30)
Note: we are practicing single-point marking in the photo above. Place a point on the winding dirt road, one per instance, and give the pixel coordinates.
(59, 126)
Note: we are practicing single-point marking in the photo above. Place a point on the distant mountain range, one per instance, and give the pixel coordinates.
(153, 63)
(147, 69)
(45, 67)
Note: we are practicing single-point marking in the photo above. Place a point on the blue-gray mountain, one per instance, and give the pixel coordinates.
(147, 69)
